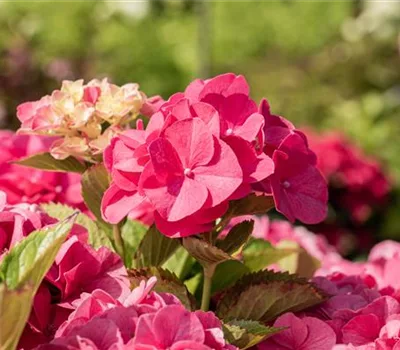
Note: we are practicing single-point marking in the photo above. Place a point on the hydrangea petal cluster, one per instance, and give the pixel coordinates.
(363, 309)
(77, 268)
(307, 333)
(77, 111)
(359, 191)
(203, 148)
(143, 320)
(40, 186)
(362, 183)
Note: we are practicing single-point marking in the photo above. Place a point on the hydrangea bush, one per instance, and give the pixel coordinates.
(143, 227)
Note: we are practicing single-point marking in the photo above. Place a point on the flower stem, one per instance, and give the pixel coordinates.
(118, 242)
(205, 299)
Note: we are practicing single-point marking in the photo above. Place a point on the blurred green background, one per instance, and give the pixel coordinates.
(328, 65)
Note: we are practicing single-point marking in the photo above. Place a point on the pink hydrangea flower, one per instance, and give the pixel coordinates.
(76, 113)
(143, 320)
(192, 168)
(201, 149)
(308, 333)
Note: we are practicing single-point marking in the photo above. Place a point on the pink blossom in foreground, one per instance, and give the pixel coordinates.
(308, 333)
(201, 149)
(77, 268)
(144, 320)
(189, 171)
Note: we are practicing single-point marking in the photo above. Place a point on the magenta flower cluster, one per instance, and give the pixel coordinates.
(143, 320)
(203, 148)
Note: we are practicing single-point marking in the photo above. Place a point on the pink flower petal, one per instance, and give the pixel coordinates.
(192, 140)
(116, 203)
(361, 330)
(223, 175)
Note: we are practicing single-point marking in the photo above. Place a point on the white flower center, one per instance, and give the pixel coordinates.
(286, 184)
(229, 132)
(187, 171)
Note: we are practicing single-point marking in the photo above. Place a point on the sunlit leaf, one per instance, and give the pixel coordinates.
(265, 295)
(45, 161)
(244, 333)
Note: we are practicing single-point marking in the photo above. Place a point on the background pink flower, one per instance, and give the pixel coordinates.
(40, 186)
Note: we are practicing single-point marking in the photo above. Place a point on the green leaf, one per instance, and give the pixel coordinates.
(259, 254)
(193, 285)
(167, 282)
(45, 161)
(155, 248)
(15, 308)
(21, 271)
(252, 204)
(29, 260)
(94, 184)
(205, 253)
(264, 295)
(98, 236)
(299, 262)
(246, 333)
(132, 233)
(237, 237)
(180, 263)
(226, 274)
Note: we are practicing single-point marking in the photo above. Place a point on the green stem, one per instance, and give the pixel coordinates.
(208, 275)
(118, 242)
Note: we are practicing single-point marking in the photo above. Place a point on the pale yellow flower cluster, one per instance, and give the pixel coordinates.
(86, 116)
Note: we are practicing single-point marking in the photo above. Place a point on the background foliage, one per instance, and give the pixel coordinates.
(328, 65)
